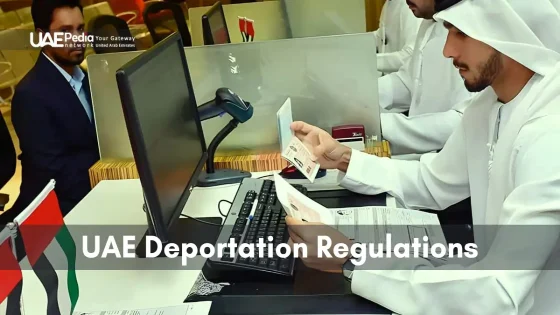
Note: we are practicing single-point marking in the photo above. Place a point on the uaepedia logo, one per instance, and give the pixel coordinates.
(60, 39)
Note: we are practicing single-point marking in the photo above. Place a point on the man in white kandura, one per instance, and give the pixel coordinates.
(396, 36)
(504, 155)
(427, 86)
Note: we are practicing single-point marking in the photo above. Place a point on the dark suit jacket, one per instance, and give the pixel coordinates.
(57, 139)
(7, 154)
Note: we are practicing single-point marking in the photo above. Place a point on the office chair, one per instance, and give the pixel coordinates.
(9, 83)
(7, 160)
(131, 8)
(107, 26)
(152, 20)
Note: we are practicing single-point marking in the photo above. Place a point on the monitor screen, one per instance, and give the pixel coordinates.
(164, 127)
(214, 26)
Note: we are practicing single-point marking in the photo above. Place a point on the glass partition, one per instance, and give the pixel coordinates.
(310, 18)
(283, 19)
(331, 80)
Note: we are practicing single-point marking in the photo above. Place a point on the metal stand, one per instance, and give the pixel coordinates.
(225, 176)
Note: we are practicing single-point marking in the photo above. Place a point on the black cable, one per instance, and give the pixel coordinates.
(201, 221)
(265, 176)
(220, 209)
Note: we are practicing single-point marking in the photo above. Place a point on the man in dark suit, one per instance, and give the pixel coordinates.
(52, 112)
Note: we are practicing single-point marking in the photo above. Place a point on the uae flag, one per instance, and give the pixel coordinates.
(10, 277)
(50, 251)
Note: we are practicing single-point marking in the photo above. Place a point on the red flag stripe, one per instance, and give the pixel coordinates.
(250, 29)
(10, 271)
(41, 227)
(242, 25)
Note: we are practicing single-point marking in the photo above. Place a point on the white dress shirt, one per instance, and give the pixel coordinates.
(76, 82)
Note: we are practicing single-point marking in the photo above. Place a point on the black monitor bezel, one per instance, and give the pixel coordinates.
(154, 211)
(207, 30)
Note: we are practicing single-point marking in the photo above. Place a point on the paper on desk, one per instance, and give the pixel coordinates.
(372, 225)
(299, 206)
(195, 308)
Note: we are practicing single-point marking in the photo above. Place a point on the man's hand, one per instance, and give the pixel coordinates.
(328, 152)
(308, 233)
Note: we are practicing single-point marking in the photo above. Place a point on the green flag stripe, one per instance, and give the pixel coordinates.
(66, 242)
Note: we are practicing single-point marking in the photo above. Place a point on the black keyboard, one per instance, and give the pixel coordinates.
(255, 214)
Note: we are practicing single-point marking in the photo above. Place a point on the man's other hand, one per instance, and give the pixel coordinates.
(308, 233)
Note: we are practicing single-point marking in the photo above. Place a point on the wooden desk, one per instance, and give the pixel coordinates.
(126, 169)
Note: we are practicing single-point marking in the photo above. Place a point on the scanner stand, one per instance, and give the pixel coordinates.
(212, 177)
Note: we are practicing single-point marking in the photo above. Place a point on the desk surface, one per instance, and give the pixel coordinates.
(119, 202)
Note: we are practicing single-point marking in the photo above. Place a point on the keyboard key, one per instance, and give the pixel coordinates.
(263, 262)
(241, 221)
(273, 263)
(236, 238)
(227, 257)
(253, 261)
(260, 207)
(271, 200)
(242, 260)
(285, 264)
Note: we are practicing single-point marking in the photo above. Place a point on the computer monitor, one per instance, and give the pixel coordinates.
(165, 131)
(214, 26)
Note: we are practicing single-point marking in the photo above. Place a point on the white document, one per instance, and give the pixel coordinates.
(285, 119)
(293, 150)
(297, 154)
(373, 224)
(299, 206)
(196, 308)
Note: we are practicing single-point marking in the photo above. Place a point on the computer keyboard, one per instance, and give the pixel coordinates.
(255, 214)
